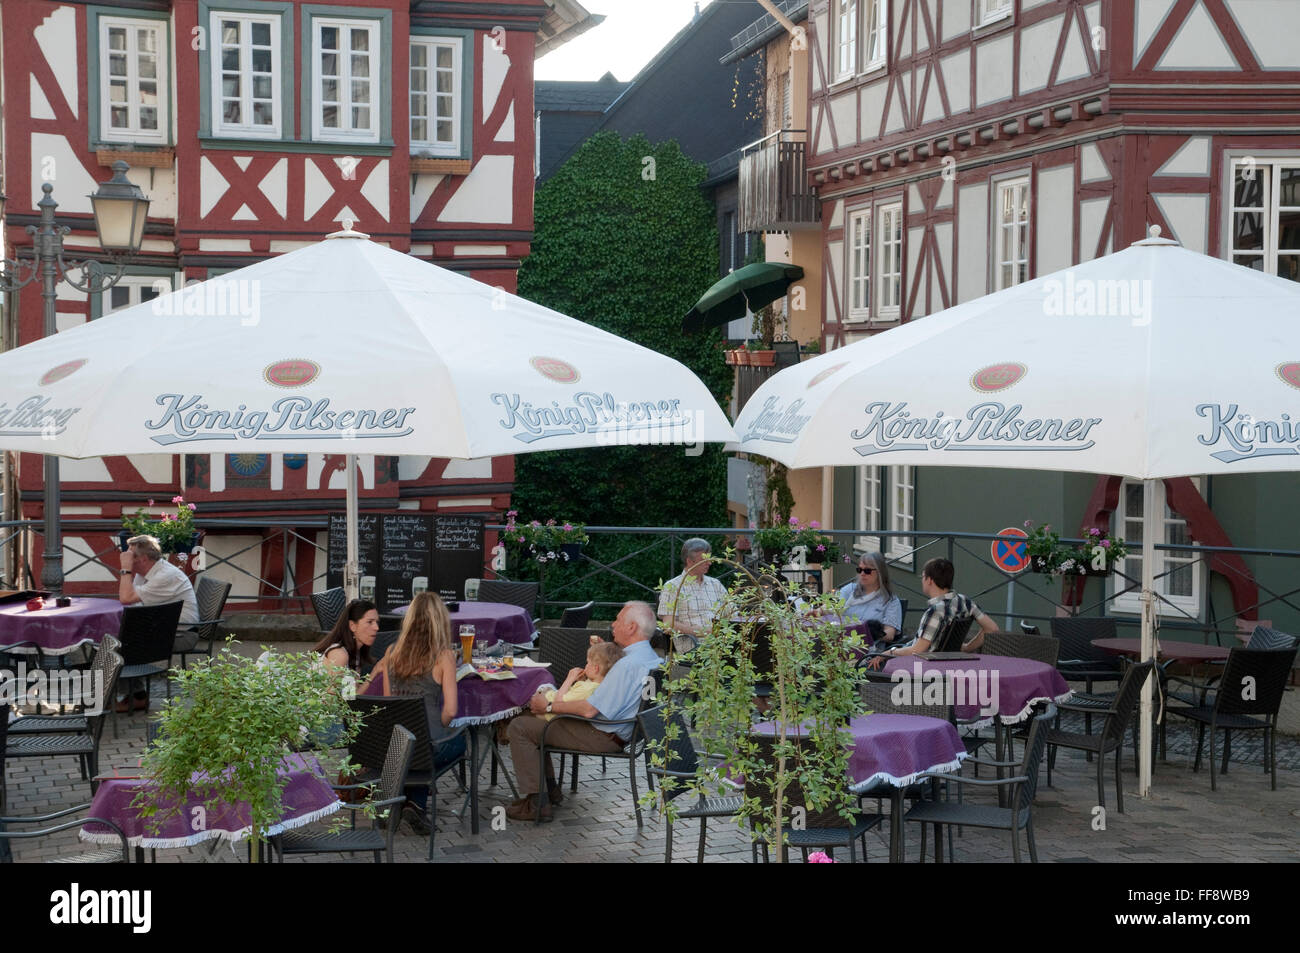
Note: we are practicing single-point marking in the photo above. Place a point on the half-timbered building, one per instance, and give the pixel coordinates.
(255, 127)
(958, 147)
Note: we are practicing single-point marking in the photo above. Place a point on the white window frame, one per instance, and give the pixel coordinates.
(1269, 173)
(844, 44)
(1005, 233)
(1182, 607)
(245, 130)
(457, 46)
(887, 502)
(877, 12)
(992, 11)
(889, 248)
(134, 285)
(346, 132)
(857, 268)
(162, 81)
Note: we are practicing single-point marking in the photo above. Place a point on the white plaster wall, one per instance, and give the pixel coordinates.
(1054, 229)
(973, 241)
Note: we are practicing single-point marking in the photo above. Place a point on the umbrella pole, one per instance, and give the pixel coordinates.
(351, 571)
(1150, 521)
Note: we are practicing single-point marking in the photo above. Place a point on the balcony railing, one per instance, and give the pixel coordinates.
(774, 192)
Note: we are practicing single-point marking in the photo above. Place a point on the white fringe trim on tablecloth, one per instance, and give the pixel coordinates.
(198, 838)
(1016, 719)
(953, 765)
(473, 721)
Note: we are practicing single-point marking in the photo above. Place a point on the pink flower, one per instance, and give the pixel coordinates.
(166, 518)
(512, 514)
(819, 857)
(192, 507)
(1105, 544)
(178, 499)
(815, 525)
(1094, 532)
(535, 525)
(150, 503)
(821, 548)
(550, 522)
(568, 527)
(1028, 523)
(794, 521)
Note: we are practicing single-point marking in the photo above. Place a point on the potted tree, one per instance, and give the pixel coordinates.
(175, 532)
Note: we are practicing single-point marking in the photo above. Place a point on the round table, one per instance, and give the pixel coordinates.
(493, 622)
(984, 687)
(57, 631)
(1189, 652)
(307, 797)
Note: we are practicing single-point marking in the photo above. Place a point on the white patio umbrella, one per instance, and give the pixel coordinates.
(345, 347)
(1150, 363)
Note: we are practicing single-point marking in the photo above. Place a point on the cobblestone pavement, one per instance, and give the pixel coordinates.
(1181, 821)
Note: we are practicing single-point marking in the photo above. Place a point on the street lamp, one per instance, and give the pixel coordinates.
(120, 210)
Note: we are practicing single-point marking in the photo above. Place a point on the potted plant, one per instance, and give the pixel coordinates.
(545, 542)
(803, 743)
(1096, 555)
(175, 533)
(778, 542)
(570, 537)
(230, 725)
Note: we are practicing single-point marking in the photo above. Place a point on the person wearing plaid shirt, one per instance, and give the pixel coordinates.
(687, 602)
(945, 606)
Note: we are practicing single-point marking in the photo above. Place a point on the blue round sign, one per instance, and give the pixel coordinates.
(1010, 550)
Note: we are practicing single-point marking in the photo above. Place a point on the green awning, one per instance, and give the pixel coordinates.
(747, 288)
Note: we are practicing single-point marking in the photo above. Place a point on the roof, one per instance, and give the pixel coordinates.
(565, 20)
(577, 96)
(765, 29)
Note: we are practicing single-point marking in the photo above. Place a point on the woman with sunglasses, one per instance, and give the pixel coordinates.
(871, 599)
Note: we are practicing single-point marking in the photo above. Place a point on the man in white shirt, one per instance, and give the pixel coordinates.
(687, 602)
(145, 578)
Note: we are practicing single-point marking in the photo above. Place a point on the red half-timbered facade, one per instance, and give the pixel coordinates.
(255, 127)
(962, 146)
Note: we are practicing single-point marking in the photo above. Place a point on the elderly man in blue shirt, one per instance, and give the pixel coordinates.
(618, 698)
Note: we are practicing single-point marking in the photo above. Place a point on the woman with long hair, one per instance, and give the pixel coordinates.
(870, 598)
(348, 644)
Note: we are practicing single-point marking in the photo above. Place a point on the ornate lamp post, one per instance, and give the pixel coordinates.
(120, 209)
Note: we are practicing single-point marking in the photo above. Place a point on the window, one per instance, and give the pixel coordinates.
(992, 10)
(859, 270)
(345, 61)
(133, 86)
(1011, 266)
(1178, 572)
(846, 38)
(877, 33)
(889, 271)
(887, 502)
(787, 100)
(436, 92)
(130, 290)
(246, 76)
(1266, 216)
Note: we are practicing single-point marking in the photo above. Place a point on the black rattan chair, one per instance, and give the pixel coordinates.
(1261, 638)
(952, 636)
(1241, 705)
(148, 637)
(59, 724)
(1079, 659)
(369, 749)
(210, 596)
(83, 745)
(680, 763)
(522, 594)
(1020, 813)
(329, 605)
(378, 838)
(577, 617)
(1015, 645)
(101, 855)
(1111, 737)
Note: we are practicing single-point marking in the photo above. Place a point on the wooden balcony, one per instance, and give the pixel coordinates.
(750, 378)
(774, 192)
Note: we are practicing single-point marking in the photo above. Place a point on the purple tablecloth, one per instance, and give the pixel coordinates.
(59, 631)
(896, 748)
(307, 797)
(481, 702)
(493, 622)
(1012, 686)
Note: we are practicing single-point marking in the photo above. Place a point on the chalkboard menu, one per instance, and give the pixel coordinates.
(405, 553)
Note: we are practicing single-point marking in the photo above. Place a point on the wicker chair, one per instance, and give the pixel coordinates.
(681, 762)
(148, 636)
(83, 745)
(577, 617)
(1014, 645)
(329, 605)
(1080, 660)
(1111, 738)
(1023, 786)
(60, 724)
(952, 636)
(100, 855)
(369, 749)
(1231, 710)
(522, 594)
(210, 595)
(392, 781)
(824, 829)
(1261, 638)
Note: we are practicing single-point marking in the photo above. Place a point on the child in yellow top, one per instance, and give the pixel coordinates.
(583, 681)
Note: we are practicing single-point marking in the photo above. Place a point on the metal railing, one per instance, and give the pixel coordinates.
(774, 194)
(629, 562)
